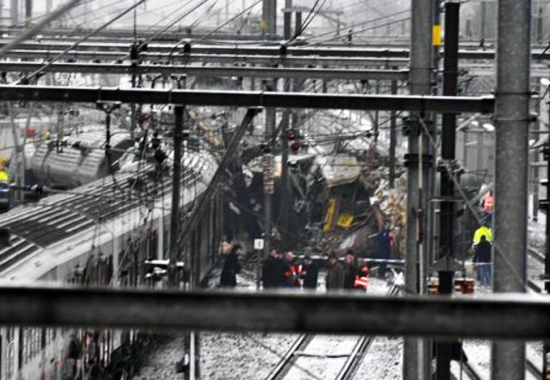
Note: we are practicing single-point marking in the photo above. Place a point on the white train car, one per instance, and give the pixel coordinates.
(80, 159)
(99, 234)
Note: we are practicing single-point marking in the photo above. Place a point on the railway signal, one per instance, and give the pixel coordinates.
(293, 139)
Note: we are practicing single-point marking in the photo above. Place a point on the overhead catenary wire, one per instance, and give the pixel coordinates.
(309, 18)
(37, 18)
(359, 24)
(36, 28)
(217, 29)
(362, 30)
(83, 39)
(178, 19)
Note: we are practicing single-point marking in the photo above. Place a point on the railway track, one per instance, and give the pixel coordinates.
(297, 350)
(290, 357)
(351, 366)
(347, 371)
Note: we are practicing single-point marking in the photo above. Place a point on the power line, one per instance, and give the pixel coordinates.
(60, 55)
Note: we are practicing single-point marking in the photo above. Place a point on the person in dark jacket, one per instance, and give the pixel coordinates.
(231, 267)
(273, 270)
(482, 259)
(309, 273)
(350, 270)
(289, 269)
(384, 249)
(335, 275)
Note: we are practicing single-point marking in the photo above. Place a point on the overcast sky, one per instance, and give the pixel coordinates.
(390, 16)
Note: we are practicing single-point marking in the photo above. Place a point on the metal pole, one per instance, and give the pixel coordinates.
(535, 171)
(420, 78)
(270, 120)
(546, 345)
(448, 148)
(540, 27)
(288, 20)
(465, 135)
(285, 195)
(480, 148)
(28, 11)
(483, 17)
(269, 18)
(393, 138)
(298, 24)
(14, 11)
(176, 189)
(273, 18)
(226, 10)
(133, 107)
(511, 178)
(376, 115)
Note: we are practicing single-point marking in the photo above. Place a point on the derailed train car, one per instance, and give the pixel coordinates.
(78, 159)
(100, 234)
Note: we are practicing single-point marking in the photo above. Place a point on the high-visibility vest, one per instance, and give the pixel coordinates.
(4, 176)
(483, 230)
(361, 282)
(489, 203)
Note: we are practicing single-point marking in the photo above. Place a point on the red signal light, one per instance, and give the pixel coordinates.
(291, 136)
(295, 147)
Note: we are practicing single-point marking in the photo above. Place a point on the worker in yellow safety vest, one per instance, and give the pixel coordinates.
(4, 175)
(483, 231)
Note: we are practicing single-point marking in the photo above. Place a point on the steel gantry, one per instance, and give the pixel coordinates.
(440, 104)
(488, 317)
(198, 71)
(266, 60)
(255, 50)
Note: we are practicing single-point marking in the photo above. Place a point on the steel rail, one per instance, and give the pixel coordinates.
(350, 368)
(289, 359)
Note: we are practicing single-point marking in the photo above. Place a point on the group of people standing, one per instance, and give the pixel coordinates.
(346, 276)
(286, 271)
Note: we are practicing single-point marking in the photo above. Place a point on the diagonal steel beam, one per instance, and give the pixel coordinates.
(220, 171)
(38, 27)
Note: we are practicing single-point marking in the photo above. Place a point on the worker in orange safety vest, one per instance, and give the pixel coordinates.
(362, 278)
(489, 202)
